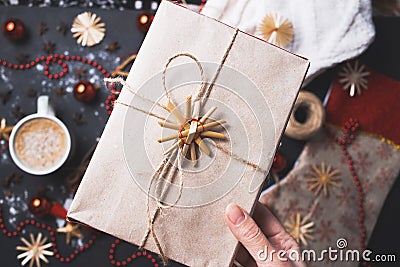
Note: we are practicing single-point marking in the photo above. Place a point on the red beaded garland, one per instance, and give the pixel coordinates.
(51, 233)
(129, 259)
(59, 60)
(349, 130)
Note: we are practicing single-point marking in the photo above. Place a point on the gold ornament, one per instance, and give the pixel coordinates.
(87, 29)
(276, 30)
(300, 229)
(5, 130)
(191, 128)
(70, 230)
(34, 250)
(323, 178)
(353, 78)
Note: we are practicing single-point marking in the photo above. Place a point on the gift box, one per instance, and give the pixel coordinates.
(195, 128)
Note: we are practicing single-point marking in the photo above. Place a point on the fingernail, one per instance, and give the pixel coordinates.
(235, 214)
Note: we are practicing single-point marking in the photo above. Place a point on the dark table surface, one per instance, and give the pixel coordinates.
(383, 56)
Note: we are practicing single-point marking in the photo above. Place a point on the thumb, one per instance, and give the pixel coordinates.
(246, 231)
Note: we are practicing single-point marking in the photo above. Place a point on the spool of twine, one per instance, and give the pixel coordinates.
(314, 117)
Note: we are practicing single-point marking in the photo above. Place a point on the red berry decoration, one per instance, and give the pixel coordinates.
(13, 29)
(85, 91)
(144, 21)
(279, 163)
(41, 206)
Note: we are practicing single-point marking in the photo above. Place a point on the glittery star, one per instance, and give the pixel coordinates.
(323, 179)
(353, 78)
(34, 251)
(70, 230)
(191, 128)
(5, 130)
(300, 228)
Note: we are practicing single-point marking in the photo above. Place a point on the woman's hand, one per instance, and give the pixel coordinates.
(259, 236)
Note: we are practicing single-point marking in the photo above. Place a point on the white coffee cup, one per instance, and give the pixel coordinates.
(45, 116)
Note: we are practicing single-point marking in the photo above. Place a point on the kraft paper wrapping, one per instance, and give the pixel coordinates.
(254, 93)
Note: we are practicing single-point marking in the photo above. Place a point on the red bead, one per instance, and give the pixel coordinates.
(55, 76)
(68, 58)
(74, 57)
(139, 254)
(76, 251)
(62, 259)
(94, 64)
(111, 257)
(4, 231)
(113, 245)
(15, 66)
(4, 63)
(19, 229)
(9, 234)
(156, 265)
(64, 65)
(81, 249)
(118, 263)
(57, 256)
(72, 256)
(15, 233)
(84, 60)
(113, 262)
(134, 256)
(50, 76)
(89, 61)
(61, 74)
(27, 65)
(62, 56)
(86, 246)
(56, 55)
(123, 263)
(103, 71)
(111, 251)
(129, 259)
(67, 260)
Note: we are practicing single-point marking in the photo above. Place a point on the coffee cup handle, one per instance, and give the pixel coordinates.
(43, 106)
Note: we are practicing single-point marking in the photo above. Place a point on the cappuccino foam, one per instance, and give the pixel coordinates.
(40, 144)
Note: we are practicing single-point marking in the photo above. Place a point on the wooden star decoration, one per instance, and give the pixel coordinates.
(323, 179)
(80, 73)
(353, 78)
(35, 250)
(22, 58)
(70, 230)
(6, 97)
(49, 47)
(43, 28)
(300, 228)
(190, 129)
(5, 130)
(112, 47)
(62, 28)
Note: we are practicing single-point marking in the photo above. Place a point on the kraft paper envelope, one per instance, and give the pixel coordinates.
(255, 87)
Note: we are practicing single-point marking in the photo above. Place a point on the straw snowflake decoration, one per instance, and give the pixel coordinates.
(87, 29)
(70, 230)
(300, 228)
(353, 78)
(323, 179)
(276, 30)
(190, 129)
(34, 251)
(5, 130)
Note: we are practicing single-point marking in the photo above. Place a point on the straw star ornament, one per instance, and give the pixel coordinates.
(323, 179)
(191, 128)
(354, 78)
(5, 130)
(300, 228)
(70, 230)
(88, 29)
(276, 30)
(35, 250)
